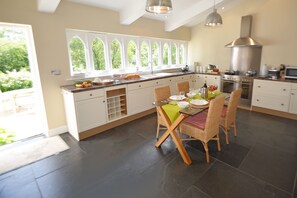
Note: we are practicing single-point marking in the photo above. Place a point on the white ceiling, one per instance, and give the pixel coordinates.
(185, 12)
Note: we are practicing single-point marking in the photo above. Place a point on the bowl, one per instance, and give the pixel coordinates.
(182, 104)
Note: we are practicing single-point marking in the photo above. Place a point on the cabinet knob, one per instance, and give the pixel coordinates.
(139, 85)
(205, 76)
(91, 94)
(157, 82)
(259, 86)
(103, 101)
(284, 89)
(292, 94)
(258, 100)
(282, 104)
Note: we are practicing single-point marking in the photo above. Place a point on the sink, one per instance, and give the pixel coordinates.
(155, 75)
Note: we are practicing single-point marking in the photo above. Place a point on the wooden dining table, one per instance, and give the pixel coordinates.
(172, 125)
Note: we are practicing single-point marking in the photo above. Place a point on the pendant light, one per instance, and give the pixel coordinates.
(214, 19)
(158, 6)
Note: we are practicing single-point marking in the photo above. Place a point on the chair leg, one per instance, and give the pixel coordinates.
(158, 130)
(234, 128)
(226, 133)
(218, 142)
(206, 152)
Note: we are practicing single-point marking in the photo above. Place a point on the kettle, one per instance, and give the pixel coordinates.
(185, 69)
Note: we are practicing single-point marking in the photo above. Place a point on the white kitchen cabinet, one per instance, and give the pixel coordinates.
(140, 97)
(271, 95)
(293, 99)
(210, 80)
(84, 110)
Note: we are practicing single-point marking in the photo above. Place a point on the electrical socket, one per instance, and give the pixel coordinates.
(56, 72)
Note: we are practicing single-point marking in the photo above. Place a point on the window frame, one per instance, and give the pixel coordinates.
(106, 38)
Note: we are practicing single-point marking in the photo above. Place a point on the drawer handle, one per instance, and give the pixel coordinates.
(258, 100)
(103, 101)
(157, 82)
(139, 85)
(259, 86)
(282, 104)
(91, 94)
(292, 94)
(284, 89)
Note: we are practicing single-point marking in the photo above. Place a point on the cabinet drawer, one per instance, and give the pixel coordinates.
(135, 86)
(88, 94)
(272, 88)
(275, 103)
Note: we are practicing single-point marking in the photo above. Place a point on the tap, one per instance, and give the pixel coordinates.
(151, 66)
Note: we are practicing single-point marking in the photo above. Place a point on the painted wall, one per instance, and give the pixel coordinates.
(273, 26)
(50, 40)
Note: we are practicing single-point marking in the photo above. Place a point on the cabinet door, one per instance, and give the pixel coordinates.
(90, 113)
(293, 102)
(140, 100)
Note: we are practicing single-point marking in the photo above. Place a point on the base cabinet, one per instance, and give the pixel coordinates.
(140, 100)
(272, 95)
(293, 99)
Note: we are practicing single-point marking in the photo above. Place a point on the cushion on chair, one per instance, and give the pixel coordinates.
(224, 112)
(199, 120)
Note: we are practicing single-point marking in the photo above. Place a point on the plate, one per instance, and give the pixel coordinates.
(177, 97)
(199, 102)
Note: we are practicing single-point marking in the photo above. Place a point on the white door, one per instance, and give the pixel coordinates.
(21, 102)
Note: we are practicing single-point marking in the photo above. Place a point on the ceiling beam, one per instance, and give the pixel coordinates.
(132, 11)
(187, 15)
(49, 6)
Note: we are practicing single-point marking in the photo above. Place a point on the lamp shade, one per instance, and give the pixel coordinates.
(158, 6)
(214, 19)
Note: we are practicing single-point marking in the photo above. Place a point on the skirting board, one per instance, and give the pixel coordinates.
(275, 113)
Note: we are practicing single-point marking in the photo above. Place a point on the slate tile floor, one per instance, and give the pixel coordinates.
(123, 162)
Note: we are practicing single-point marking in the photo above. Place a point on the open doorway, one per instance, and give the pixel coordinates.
(22, 112)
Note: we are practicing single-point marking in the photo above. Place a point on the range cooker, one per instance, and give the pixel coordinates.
(231, 81)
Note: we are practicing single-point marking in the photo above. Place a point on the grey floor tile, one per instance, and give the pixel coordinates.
(272, 165)
(194, 192)
(222, 181)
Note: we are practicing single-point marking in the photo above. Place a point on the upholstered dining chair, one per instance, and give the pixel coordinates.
(228, 117)
(161, 94)
(205, 127)
(183, 87)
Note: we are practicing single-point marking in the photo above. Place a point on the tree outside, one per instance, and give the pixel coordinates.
(165, 54)
(115, 50)
(144, 54)
(14, 63)
(155, 54)
(98, 54)
(78, 56)
(173, 54)
(131, 51)
(181, 54)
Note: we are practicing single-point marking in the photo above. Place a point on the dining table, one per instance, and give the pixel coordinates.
(173, 115)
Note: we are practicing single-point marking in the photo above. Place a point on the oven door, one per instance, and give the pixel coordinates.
(229, 86)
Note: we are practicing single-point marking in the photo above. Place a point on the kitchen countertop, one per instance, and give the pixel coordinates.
(73, 89)
(277, 80)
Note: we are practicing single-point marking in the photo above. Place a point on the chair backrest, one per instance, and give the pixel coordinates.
(232, 105)
(183, 86)
(214, 116)
(162, 93)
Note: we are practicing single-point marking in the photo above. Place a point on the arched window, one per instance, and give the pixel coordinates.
(181, 54)
(144, 49)
(78, 55)
(173, 54)
(155, 54)
(98, 54)
(131, 52)
(116, 55)
(165, 54)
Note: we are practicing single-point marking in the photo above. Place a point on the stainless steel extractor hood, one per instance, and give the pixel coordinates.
(245, 39)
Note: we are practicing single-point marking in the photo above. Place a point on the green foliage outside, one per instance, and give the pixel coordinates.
(144, 54)
(14, 62)
(165, 54)
(78, 56)
(173, 54)
(15, 80)
(115, 50)
(155, 54)
(181, 54)
(131, 51)
(98, 54)
(6, 137)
